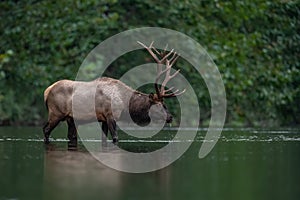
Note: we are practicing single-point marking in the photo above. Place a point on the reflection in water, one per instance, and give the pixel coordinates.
(77, 174)
(77, 170)
(248, 164)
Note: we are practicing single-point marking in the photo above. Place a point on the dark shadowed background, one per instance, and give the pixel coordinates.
(256, 45)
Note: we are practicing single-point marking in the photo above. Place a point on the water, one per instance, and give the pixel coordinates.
(244, 164)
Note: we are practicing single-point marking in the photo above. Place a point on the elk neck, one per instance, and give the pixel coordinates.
(139, 106)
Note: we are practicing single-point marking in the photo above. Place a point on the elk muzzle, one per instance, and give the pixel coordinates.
(169, 118)
(159, 112)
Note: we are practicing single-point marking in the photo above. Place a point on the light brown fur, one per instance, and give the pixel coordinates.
(104, 99)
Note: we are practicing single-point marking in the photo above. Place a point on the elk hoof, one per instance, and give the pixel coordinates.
(72, 141)
(115, 140)
(46, 140)
(72, 145)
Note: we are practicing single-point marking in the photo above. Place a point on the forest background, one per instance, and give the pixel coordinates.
(255, 44)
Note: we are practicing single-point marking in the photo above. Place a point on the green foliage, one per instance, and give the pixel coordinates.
(254, 43)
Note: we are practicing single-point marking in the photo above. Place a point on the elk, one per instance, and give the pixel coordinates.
(59, 98)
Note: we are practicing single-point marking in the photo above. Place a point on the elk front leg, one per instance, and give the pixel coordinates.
(105, 132)
(72, 132)
(112, 126)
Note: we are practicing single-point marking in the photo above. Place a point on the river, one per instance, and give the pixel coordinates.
(244, 164)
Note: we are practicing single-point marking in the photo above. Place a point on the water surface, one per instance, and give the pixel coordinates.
(244, 164)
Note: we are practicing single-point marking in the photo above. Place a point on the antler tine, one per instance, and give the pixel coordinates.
(151, 44)
(161, 57)
(159, 75)
(142, 44)
(164, 93)
(174, 58)
(156, 51)
(168, 76)
(174, 94)
(166, 56)
(174, 55)
(163, 52)
(173, 75)
(166, 48)
(149, 49)
(170, 89)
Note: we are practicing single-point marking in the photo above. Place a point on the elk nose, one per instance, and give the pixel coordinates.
(169, 119)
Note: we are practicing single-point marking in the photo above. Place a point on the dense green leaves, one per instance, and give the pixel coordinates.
(254, 43)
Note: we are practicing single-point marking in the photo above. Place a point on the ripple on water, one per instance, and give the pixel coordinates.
(228, 135)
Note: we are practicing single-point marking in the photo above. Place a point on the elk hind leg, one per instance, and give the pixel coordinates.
(49, 126)
(72, 132)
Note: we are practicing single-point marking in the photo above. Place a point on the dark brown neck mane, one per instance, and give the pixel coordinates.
(139, 106)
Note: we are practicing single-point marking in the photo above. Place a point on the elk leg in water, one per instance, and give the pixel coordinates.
(72, 132)
(105, 132)
(111, 123)
(48, 128)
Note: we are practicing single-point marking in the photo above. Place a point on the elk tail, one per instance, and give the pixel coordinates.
(46, 93)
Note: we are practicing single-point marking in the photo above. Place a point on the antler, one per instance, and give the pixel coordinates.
(162, 92)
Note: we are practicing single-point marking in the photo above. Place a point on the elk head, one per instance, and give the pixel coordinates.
(158, 109)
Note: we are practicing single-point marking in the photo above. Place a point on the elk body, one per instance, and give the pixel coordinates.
(114, 100)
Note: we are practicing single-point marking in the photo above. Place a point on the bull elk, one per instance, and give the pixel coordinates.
(59, 97)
